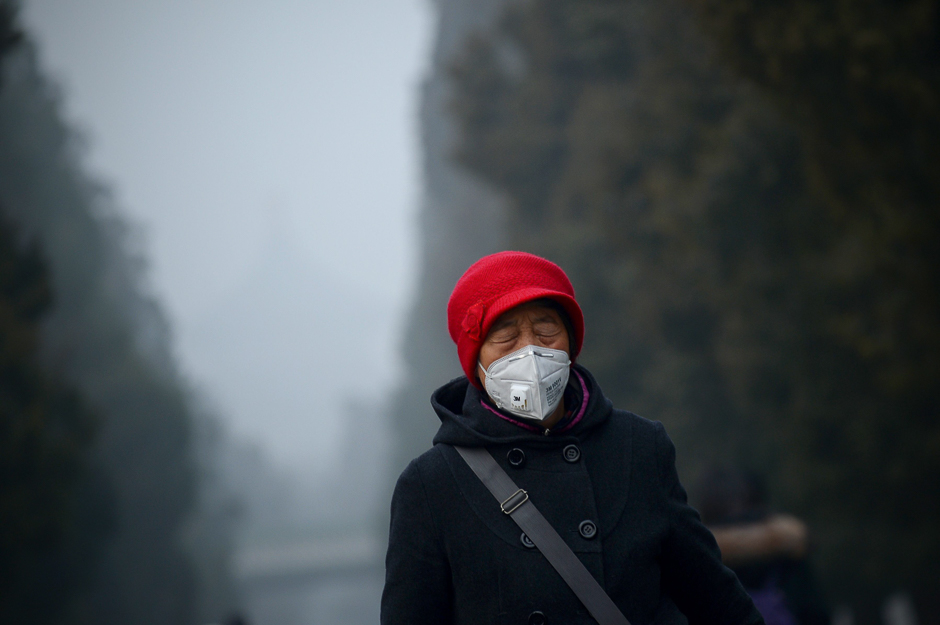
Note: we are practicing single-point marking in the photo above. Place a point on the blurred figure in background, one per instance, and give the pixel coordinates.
(767, 551)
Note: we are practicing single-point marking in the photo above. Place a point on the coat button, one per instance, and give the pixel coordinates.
(516, 457)
(587, 529)
(537, 618)
(571, 453)
(527, 541)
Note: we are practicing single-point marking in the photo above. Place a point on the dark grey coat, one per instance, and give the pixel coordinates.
(454, 557)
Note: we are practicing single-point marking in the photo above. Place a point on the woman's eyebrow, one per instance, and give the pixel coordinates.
(544, 317)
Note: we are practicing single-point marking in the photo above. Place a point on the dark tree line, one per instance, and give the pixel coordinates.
(56, 508)
(103, 518)
(745, 196)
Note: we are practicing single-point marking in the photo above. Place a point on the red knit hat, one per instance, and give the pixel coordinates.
(493, 285)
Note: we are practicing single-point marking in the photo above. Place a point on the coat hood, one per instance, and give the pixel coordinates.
(468, 417)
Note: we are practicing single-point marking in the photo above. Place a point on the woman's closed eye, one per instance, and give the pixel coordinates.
(504, 335)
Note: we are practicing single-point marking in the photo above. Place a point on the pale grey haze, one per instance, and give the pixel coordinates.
(268, 152)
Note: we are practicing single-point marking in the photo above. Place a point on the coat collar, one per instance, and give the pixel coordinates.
(468, 418)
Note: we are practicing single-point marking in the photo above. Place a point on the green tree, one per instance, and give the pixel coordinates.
(661, 186)
(860, 81)
(10, 34)
(54, 504)
(107, 339)
(756, 268)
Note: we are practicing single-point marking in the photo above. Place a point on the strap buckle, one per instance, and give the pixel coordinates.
(514, 501)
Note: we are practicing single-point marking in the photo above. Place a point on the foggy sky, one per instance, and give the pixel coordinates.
(269, 153)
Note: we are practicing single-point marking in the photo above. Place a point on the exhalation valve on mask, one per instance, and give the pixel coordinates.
(519, 397)
(529, 382)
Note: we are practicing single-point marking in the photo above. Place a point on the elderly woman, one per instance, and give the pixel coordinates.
(604, 479)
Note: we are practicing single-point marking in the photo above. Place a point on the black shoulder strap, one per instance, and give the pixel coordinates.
(515, 502)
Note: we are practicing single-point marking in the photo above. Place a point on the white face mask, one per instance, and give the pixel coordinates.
(529, 382)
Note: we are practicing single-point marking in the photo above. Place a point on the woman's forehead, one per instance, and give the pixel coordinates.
(528, 311)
